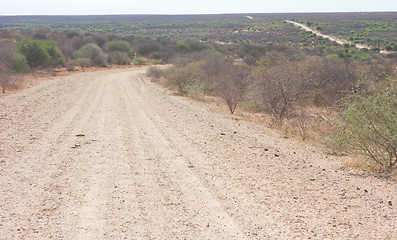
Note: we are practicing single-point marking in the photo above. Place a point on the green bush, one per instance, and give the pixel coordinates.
(94, 53)
(20, 64)
(195, 90)
(365, 57)
(369, 122)
(119, 46)
(157, 61)
(40, 53)
(82, 62)
(119, 58)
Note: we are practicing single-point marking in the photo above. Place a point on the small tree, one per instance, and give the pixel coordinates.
(369, 122)
(284, 83)
(233, 82)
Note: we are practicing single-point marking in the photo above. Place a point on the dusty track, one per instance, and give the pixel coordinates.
(109, 155)
(339, 41)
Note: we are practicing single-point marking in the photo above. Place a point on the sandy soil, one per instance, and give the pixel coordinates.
(110, 155)
(340, 41)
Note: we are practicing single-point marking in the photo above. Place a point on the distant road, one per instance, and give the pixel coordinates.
(334, 39)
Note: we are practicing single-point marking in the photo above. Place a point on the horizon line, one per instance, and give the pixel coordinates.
(190, 14)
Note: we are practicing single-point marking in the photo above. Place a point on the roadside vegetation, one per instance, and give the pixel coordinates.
(350, 105)
(304, 85)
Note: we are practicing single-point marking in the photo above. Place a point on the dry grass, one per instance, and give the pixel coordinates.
(362, 163)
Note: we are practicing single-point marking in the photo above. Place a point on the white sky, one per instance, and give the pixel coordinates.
(89, 7)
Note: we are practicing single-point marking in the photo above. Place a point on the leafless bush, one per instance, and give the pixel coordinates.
(5, 79)
(184, 76)
(213, 63)
(284, 84)
(301, 124)
(233, 82)
(154, 72)
(308, 123)
(336, 78)
(119, 58)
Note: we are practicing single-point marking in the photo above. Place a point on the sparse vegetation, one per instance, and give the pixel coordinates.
(262, 64)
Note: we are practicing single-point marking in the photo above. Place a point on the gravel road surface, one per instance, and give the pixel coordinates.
(111, 155)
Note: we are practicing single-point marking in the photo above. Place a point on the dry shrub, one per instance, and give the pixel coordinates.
(154, 72)
(119, 58)
(284, 84)
(11, 81)
(8, 78)
(233, 82)
(183, 77)
(365, 164)
(302, 123)
(361, 163)
(336, 77)
(195, 90)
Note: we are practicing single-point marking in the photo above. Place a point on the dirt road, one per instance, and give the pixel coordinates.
(110, 155)
(334, 39)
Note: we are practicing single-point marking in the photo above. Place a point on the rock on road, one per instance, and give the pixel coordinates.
(110, 155)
